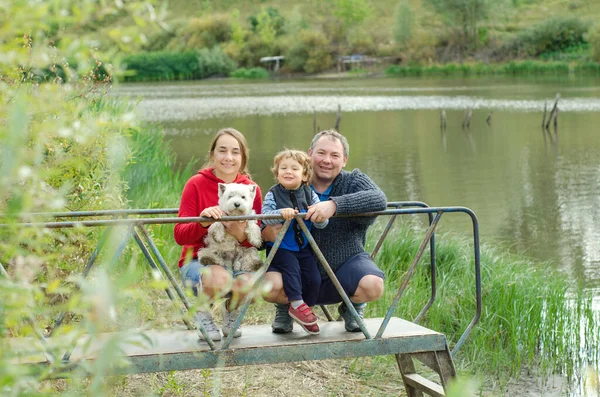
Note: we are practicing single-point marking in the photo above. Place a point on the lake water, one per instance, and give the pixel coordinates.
(534, 191)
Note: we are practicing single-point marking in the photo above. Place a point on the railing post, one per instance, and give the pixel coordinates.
(258, 281)
(332, 276)
(409, 274)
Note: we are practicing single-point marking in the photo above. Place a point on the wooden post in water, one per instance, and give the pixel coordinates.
(553, 111)
(467, 118)
(488, 119)
(338, 119)
(544, 116)
(443, 119)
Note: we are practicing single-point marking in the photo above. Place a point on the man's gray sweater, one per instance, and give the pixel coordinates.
(353, 192)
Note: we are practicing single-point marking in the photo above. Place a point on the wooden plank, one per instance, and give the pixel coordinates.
(424, 384)
(181, 349)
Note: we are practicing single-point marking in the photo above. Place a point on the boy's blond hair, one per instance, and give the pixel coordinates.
(298, 155)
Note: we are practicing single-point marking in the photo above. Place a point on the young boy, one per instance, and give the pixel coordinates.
(295, 259)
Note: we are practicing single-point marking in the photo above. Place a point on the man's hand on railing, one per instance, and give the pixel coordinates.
(321, 211)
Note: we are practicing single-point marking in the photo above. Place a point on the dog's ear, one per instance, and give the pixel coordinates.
(222, 188)
(252, 191)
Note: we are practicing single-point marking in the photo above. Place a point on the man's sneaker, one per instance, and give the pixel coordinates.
(207, 322)
(283, 323)
(229, 320)
(311, 329)
(303, 315)
(349, 322)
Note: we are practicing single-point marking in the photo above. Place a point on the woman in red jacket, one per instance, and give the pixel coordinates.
(227, 163)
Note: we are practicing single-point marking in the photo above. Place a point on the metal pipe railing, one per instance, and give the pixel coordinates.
(398, 209)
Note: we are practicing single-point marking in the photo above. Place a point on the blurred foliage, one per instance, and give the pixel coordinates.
(64, 145)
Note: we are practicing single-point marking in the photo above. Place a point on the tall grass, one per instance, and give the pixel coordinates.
(167, 65)
(532, 317)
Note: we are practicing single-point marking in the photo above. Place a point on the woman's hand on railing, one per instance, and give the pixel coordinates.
(211, 212)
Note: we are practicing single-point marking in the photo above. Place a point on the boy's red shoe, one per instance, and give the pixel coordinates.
(311, 329)
(303, 315)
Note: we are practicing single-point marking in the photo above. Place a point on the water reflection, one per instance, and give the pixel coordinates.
(164, 109)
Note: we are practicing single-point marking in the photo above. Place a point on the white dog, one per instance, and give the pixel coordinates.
(221, 247)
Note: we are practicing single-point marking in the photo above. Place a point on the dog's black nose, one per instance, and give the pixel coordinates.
(236, 205)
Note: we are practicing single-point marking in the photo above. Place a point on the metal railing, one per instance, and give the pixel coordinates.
(136, 229)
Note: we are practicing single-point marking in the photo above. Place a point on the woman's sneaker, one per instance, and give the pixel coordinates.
(303, 315)
(229, 321)
(207, 322)
(283, 323)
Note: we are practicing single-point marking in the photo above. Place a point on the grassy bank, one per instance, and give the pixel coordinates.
(515, 68)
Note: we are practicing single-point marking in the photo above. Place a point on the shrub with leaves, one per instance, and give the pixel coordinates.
(310, 53)
(553, 35)
(205, 32)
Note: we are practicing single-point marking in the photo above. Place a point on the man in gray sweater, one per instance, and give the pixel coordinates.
(343, 240)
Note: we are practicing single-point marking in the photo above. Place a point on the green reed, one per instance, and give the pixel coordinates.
(532, 317)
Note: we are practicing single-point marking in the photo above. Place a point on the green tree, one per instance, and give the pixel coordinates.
(463, 15)
(594, 40)
(352, 12)
(403, 30)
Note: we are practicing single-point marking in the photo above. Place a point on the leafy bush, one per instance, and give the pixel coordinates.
(556, 34)
(252, 73)
(160, 40)
(213, 62)
(310, 53)
(351, 12)
(204, 32)
(267, 19)
(254, 49)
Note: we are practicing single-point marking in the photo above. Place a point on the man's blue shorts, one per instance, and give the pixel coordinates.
(349, 275)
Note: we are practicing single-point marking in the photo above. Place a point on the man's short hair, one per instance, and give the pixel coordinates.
(332, 134)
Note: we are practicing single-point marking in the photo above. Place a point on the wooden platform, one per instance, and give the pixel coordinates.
(168, 350)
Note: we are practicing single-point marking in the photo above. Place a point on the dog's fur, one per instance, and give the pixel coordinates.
(221, 247)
